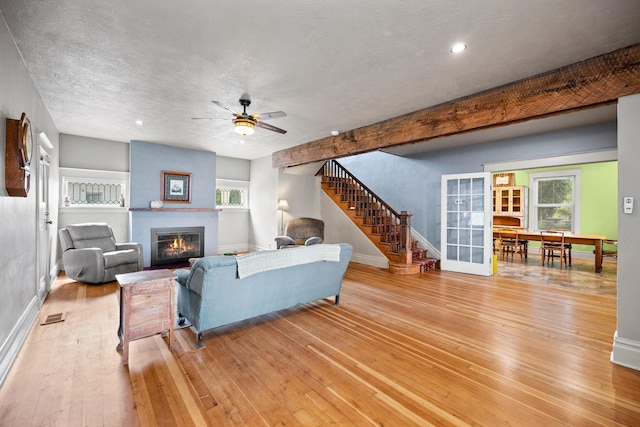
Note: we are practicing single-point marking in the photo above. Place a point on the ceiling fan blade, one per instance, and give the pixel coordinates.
(269, 127)
(225, 107)
(210, 118)
(269, 116)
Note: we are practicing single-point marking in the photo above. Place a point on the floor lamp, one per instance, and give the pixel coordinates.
(283, 205)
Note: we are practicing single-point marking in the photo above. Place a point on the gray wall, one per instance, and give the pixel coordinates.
(231, 168)
(147, 163)
(626, 349)
(94, 154)
(18, 225)
(82, 152)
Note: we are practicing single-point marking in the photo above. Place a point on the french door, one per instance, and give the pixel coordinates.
(45, 237)
(467, 235)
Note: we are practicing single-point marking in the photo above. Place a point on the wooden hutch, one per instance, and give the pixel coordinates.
(510, 206)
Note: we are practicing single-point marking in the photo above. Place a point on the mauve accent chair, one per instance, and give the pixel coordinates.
(301, 232)
(90, 253)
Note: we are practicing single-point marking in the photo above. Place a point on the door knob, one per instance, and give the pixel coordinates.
(49, 222)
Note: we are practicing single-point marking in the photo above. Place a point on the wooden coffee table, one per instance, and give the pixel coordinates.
(147, 306)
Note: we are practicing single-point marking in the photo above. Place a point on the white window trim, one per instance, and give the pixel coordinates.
(93, 176)
(533, 205)
(232, 184)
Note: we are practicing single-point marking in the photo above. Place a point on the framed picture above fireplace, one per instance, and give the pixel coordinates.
(176, 187)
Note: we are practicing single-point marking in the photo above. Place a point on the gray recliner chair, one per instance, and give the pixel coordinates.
(301, 232)
(90, 253)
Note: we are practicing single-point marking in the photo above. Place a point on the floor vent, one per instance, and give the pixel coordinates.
(53, 318)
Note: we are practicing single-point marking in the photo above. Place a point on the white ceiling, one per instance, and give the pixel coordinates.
(330, 65)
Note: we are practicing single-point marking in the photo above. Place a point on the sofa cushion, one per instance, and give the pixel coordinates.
(115, 258)
(92, 236)
(106, 244)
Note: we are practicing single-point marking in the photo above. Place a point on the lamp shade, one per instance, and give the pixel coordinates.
(283, 205)
(244, 127)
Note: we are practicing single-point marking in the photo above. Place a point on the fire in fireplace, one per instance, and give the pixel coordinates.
(176, 245)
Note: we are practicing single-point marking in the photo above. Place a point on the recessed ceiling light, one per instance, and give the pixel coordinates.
(139, 122)
(335, 133)
(458, 47)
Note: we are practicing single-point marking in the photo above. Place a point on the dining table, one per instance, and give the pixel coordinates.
(595, 240)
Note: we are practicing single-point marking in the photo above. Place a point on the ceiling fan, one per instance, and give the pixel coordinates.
(245, 124)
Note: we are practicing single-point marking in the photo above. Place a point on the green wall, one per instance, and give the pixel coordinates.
(598, 197)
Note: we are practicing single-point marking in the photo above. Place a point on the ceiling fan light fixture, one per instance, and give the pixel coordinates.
(244, 127)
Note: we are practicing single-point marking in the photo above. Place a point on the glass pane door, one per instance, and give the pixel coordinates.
(467, 238)
(516, 201)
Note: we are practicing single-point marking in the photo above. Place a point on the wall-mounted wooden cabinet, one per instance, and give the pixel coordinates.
(19, 144)
(512, 202)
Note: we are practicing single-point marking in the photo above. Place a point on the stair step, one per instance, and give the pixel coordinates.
(404, 269)
(427, 264)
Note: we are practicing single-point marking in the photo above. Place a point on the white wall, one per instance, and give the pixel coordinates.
(338, 228)
(263, 198)
(233, 224)
(626, 347)
(302, 192)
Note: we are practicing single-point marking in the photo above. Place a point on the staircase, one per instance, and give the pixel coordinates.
(389, 230)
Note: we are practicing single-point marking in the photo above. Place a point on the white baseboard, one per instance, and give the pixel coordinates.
(254, 248)
(374, 261)
(12, 345)
(240, 247)
(626, 352)
(55, 270)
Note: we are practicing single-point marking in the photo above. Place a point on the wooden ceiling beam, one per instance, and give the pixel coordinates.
(594, 82)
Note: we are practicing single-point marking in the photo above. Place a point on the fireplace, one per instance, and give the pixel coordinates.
(173, 246)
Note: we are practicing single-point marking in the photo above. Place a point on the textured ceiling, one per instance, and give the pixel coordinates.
(330, 65)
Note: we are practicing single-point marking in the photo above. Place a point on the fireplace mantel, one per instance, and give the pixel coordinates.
(174, 210)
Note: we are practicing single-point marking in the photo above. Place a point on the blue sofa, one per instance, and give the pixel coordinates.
(219, 290)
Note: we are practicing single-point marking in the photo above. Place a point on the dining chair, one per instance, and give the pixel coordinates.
(552, 245)
(510, 243)
(610, 248)
(567, 246)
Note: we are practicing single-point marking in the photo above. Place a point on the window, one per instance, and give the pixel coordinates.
(555, 200)
(232, 194)
(85, 188)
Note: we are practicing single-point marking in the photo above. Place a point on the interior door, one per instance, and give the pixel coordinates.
(466, 235)
(44, 227)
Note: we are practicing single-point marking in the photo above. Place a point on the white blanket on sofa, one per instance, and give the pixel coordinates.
(256, 262)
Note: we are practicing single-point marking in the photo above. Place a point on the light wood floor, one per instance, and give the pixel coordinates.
(579, 276)
(435, 349)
